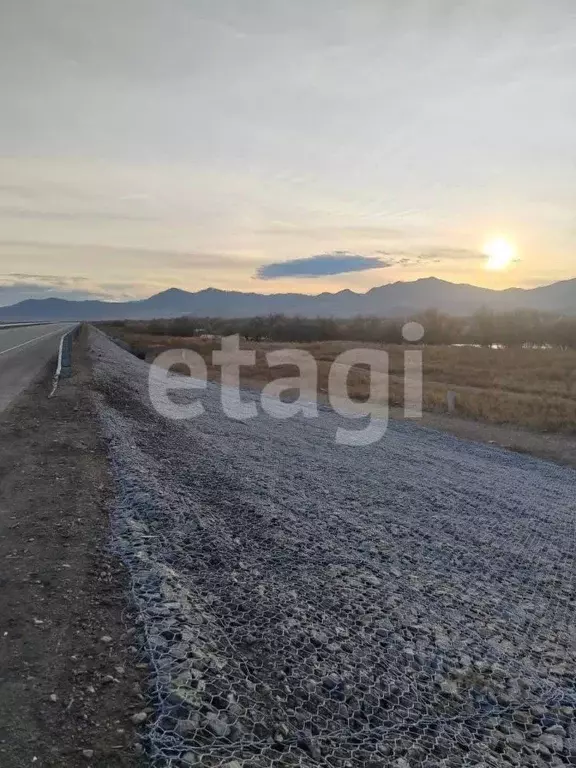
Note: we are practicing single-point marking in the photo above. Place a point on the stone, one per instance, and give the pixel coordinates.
(330, 681)
(218, 726)
(186, 728)
(552, 742)
(319, 638)
(559, 670)
(538, 711)
(139, 718)
(516, 740)
(449, 687)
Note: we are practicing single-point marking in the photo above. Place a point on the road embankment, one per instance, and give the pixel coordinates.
(406, 604)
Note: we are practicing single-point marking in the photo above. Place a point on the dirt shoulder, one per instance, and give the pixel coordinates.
(69, 680)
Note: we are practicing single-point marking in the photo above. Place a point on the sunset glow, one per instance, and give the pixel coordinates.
(500, 253)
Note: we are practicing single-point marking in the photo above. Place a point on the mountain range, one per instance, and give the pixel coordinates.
(393, 299)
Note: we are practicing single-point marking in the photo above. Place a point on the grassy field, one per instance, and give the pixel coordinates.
(533, 388)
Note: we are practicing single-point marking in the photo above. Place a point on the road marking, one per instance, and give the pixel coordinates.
(36, 338)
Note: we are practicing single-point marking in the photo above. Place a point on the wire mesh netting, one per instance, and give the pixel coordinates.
(307, 604)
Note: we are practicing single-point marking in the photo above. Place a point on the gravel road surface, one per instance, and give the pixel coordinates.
(411, 603)
(24, 351)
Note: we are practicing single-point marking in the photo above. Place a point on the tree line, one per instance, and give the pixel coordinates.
(485, 328)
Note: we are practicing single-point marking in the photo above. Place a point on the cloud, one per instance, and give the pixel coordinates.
(16, 286)
(26, 214)
(294, 230)
(339, 262)
(139, 257)
(335, 263)
(15, 292)
(55, 280)
(432, 255)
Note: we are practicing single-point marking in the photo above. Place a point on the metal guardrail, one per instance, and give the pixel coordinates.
(6, 326)
(64, 369)
(64, 365)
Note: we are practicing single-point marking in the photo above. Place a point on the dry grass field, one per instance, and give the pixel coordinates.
(534, 388)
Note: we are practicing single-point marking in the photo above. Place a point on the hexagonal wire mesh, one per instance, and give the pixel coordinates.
(307, 604)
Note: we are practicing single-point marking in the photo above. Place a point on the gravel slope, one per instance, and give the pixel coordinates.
(411, 603)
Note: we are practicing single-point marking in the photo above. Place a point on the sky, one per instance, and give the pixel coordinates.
(283, 145)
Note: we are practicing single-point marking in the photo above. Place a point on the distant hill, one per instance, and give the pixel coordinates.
(394, 299)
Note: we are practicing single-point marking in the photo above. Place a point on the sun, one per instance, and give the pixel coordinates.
(499, 252)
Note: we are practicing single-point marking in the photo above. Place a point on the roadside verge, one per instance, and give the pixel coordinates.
(69, 680)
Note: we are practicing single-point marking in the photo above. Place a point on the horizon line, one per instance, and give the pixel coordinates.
(288, 293)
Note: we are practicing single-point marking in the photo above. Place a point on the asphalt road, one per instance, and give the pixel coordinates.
(24, 351)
